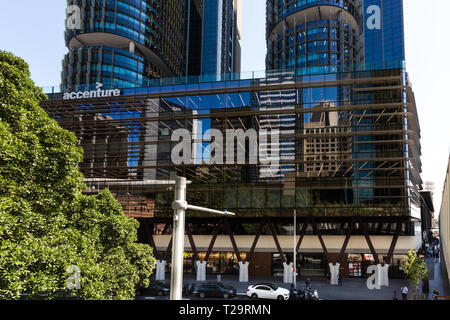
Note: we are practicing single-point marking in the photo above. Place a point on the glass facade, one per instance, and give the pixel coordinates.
(384, 39)
(344, 155)
(317, 33)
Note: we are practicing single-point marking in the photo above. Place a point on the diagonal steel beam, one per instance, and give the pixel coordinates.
(233, 241)
(213, 240)
(398, 229)
(347, 239)
(369, 242)
(277, 243)
(249, 256)
(317, 232)
(191, 241)
(302, 234)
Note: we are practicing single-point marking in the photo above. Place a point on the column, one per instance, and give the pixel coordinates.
(161, 270)
(201, 270)
(287, 274)
(243, 271)
(334, 271)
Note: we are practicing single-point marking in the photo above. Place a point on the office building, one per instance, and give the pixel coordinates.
(221, 49)
(444, 225)
(123, 44)
(330, 206)
(348, 157)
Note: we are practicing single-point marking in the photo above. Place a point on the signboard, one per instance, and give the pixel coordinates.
(98, 93)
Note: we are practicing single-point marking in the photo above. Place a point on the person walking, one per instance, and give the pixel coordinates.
(404, 292)
(339, 280)
(307, 282)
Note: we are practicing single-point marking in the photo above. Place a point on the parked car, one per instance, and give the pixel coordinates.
(267, 291)
(156, 288)
(216, 289)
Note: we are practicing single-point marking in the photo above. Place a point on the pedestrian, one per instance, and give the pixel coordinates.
(405, 292)
(435, 293)
(307, 282)
(426, 286)
(328, 277)
(339, 279)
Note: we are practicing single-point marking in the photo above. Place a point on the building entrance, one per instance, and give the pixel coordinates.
(312, 264)
(218, 263)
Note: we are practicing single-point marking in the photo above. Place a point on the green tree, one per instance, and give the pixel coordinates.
(46, 224)
(415, 268)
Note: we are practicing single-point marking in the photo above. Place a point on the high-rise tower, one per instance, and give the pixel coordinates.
(315, 36)
(221, 50)
(384, 40)
(124, 43)
(309, 36)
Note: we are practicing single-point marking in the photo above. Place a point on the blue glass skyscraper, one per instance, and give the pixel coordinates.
(383, 32)
(220, 47)
(124, 43)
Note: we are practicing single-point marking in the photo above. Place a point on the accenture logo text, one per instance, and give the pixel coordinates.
(98, 93)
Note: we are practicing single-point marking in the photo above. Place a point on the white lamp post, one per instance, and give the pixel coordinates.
(179, 207)
(295, 249)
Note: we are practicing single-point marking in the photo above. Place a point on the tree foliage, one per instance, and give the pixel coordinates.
(46, 223)
(415, 267)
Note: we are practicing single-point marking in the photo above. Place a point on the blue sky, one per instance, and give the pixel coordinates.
(34, 30)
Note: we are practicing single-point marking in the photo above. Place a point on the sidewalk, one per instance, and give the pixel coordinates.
(436, 277)
(352, 288)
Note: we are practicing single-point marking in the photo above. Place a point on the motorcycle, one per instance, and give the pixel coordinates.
(309, 294)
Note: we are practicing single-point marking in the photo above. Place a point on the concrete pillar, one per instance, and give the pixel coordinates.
(161, 270)
(243, 271)
(334, 271)
(287, 274)
(201, 270)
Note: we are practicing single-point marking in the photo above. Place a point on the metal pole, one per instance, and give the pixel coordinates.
(295, 249)
(176, 279)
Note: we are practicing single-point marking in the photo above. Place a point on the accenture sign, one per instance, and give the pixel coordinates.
(98, 93)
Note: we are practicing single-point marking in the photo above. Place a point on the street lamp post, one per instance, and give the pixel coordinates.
(295, 249)
(179, 207)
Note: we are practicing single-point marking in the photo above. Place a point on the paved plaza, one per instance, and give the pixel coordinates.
(351, 289)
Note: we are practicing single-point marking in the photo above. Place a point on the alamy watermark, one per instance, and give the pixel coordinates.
(74, 280)
(73, 17)
(374, 18)
(236, 147)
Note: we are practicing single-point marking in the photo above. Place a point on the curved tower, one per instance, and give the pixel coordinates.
(123, 43)
(313, 35)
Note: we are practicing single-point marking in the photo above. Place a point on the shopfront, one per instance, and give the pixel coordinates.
(359, 263)
(218, 262)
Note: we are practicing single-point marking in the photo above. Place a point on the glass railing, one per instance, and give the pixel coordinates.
(230, 77)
